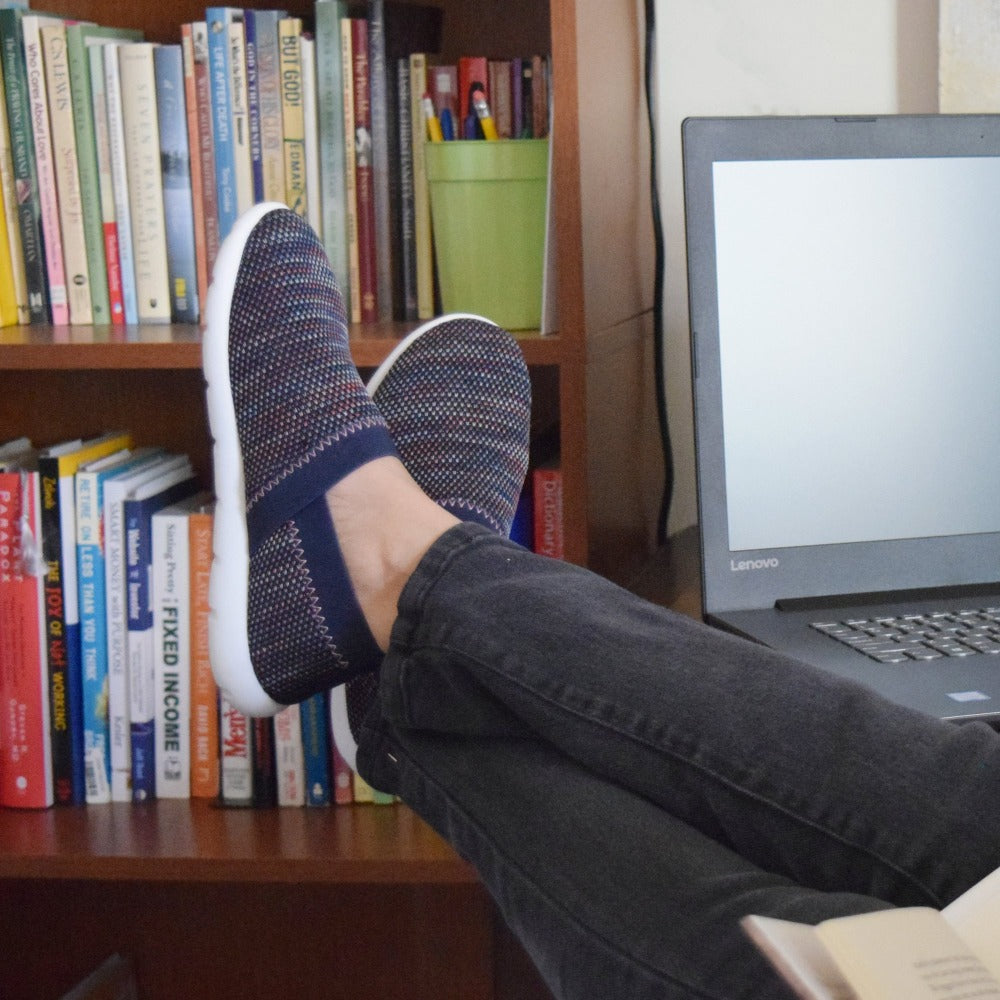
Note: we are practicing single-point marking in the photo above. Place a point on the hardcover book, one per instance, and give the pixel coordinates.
(178, 205)
(118, 240)
(350, 171)
(57, 468)
(330, 111)
(45, 166)
(421, 194)
(204, 692)
(379, 97)
(292, 113)
(139, 508)
(145, 181)
(14, 251)
(22, 147)
(171, 603)
(25, 751)
(547, 484)
(368, 248)
(67, 173)
(217, 20)
(195, 164)
(79, 39)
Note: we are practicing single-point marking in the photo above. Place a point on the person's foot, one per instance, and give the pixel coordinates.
(290, 419)
(456, 396)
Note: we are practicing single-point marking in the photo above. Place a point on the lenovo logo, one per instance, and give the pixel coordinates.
(744, 565)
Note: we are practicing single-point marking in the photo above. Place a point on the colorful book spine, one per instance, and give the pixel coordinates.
(14, 249)
(67, 172)
(119, 181)
(175, 160)
(473, 72)
(92, 574)
(23, 162)
(195, 165)
(289, 761)
(421, 194)
(292, 113)
(547, 485)
(407, 222)
(45, 167)
(368, 248)
(350, 172)
(330, 112)
(343, 779)
(236, 765)
(217, 20)
(171, 601)
(239, 110)
(145, 181)
(268, 86)
(307, 50)
(8, 294)
(204, 692)
(500, 96)
(378, 89)
(57, 470)
(206, 149)
(316, 750)
(138, 513)
(79, 39)
(253, 104)
(25, 751)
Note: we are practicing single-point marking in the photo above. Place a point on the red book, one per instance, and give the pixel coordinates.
(25, 748)
(472, 71)
(548, 490)
(364, 174)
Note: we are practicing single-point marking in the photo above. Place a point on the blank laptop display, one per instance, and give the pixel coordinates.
(844, 285)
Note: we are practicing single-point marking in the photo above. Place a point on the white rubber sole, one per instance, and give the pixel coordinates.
(229, 646)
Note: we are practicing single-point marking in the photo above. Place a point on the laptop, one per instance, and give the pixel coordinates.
(844, 286)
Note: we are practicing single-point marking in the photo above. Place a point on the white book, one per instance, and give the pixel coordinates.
(112, 91)
(239, 110)
(44, 165)
(289, 759)
(67, 173)
(171, 599)
(145, 181)
(115, 491)
(314, 208)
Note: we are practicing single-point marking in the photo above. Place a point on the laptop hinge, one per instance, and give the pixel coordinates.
(959, 592)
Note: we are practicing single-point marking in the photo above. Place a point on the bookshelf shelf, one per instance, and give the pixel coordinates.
(178, 346)
(364, 901)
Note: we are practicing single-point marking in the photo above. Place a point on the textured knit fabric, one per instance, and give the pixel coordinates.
(457, 399)
(304, 421)
(458, 404)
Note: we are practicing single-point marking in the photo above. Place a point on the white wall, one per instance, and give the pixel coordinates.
(733, 57)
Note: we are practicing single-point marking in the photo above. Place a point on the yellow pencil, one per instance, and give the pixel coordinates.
(433, 125)
(483, 113)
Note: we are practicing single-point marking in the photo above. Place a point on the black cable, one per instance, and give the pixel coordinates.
(659, 348)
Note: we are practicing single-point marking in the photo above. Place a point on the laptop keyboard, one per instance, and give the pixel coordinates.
(928, 636)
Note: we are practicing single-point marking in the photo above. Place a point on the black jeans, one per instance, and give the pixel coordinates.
(629, 783)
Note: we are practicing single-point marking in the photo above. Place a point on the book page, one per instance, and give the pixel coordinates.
(976, 917)
(913, 953)
(797, 953)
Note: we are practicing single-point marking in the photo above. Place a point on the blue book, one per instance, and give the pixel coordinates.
(175, 160)
(316, 750)
(218, 20)
(264, 104)
(253, 105)
(90, 553)
(138, 510)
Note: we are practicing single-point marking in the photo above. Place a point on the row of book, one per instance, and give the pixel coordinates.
(123, 163)
(106, 685)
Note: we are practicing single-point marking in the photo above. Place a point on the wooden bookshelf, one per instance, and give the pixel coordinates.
(365, 901)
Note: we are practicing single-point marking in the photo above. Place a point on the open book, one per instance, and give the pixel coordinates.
(913, 953)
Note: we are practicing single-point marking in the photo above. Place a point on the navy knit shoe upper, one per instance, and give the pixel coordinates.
(290, 417)
(456, 395)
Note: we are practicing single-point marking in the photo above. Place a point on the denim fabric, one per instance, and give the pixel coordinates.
(629, 783)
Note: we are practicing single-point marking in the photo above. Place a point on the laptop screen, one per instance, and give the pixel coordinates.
(845, 312)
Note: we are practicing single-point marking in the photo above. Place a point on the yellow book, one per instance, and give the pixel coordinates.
(293, 120)
(11, 251)
(8, 296)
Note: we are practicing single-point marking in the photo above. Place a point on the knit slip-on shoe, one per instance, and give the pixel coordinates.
(289, 417)
(456, 395)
